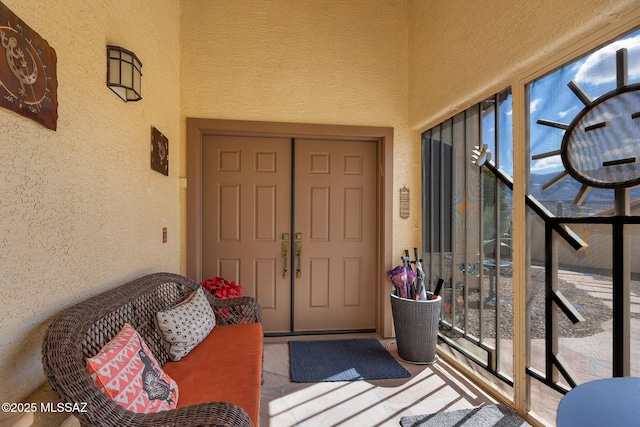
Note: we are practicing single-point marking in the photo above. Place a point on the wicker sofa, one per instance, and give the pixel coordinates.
(219, 385)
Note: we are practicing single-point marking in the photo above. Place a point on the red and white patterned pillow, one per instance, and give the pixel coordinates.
(129, 373)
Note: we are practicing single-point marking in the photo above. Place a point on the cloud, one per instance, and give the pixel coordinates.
(534, 104)
(565, 113)
(548, 164)
(600, 66)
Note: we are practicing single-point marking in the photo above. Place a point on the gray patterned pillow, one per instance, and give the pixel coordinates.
(185, 325)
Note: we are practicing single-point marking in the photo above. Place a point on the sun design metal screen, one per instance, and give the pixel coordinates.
(582, 227)
(584, 138)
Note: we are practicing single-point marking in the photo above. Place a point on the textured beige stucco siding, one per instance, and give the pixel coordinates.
(80, 208)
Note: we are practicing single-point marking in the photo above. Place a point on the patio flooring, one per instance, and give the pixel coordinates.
(431, 388)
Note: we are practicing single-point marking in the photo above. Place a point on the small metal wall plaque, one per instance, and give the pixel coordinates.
(404, 202)
(159, 152)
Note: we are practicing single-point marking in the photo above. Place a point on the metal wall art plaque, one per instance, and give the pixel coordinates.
(404, 203)
(159, 152)
(28, 81)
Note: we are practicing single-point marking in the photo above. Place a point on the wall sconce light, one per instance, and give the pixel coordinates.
(124, 74)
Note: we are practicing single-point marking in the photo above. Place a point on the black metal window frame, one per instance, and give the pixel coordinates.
(440, 147)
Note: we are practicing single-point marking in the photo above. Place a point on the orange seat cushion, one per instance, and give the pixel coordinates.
(225, 366)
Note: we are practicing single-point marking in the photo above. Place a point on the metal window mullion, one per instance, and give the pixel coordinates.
(431, 208)
(497, 242)
(452, 175)
(442, 212)
(481, 239)
(551, 315)
(463, 176)
(452, 243)
(520, 248)
(621, 348)
(467, 166)
(453, 207)
(426, 201)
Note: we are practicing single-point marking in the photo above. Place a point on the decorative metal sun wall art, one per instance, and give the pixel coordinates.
(28, 82)
(601, 146)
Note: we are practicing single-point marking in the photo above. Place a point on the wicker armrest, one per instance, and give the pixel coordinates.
(204, 414)
(102, 411)
(235, 311)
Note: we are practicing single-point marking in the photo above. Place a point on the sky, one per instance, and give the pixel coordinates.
(551, 98)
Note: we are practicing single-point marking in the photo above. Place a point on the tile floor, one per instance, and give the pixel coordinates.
(431, 388)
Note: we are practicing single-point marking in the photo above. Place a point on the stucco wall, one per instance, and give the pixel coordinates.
(332, 62)
(461, 51)
(80, 209)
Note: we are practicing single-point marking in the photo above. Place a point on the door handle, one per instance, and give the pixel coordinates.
(299, 254)
(285, 254)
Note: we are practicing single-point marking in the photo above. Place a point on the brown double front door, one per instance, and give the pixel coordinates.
(294, 222)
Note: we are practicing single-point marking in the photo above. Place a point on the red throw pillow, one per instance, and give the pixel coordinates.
(129, 373)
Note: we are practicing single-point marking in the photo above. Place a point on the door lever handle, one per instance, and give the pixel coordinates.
(298, 237)
(285, 254)
(299, 255)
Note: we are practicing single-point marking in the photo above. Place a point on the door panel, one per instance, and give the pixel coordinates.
(335, 213)
(246, 206)
(246, 209)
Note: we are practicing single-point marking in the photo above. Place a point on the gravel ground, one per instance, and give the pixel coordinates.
(593, 309)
